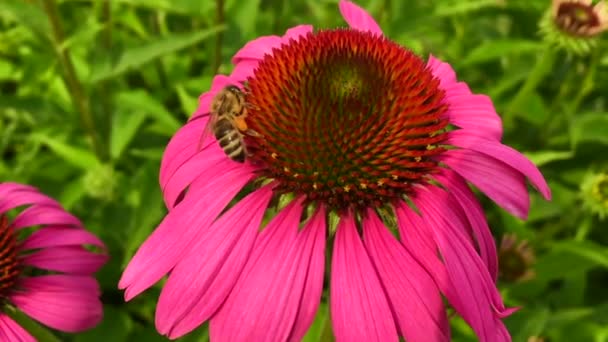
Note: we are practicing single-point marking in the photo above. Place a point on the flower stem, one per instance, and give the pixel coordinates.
(543, 65)
(79, 98)
(217, 60)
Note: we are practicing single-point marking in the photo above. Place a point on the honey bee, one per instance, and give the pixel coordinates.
(227, 122)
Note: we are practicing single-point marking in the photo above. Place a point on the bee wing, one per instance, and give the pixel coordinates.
(207, 131)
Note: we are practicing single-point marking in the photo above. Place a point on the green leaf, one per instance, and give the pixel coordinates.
(246, 13)
(28, 15)
(320, 330)
(140, 101)
(540, 158)
(588, 250)
(137, 56)
(534, 325)
(78, 157)
(116, 327)
(189, 103)
(590, 127)
(124, 129)
(456, 7)
(39, 332)
(495, 49)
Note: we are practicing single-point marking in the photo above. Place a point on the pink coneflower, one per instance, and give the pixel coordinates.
(46, 271)
(367, 150)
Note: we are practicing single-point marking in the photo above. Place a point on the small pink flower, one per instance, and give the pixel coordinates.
(363, 145)
(44, 239)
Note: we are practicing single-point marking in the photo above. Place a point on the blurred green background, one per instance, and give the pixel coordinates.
(91, 92)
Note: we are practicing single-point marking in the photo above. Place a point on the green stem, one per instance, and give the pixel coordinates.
(79, 98)
(586, 86)
(542, 67)
(219, 18)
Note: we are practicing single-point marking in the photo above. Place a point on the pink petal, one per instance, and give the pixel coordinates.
(479, 299)
(10, 331)
(62, 282)
(8, 187)
(257, 48)
(413, 295)
(417, 239)
(61, 309)
(476, 218)
(183, 226)
(359, 307)
(244, 69)
(442, 70)
(314, 284)
(45, 215)
(358, 18)
(24, 196)
(503, 184)
(200, 282)
(60, 236)
(503, 153)
(74, 260)
(201, 166)
(274, 281)
(181, 148)
(465, 109)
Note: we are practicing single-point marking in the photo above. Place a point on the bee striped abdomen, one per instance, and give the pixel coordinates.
(230, 140)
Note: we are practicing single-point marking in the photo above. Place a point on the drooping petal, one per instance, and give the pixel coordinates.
(201, 281)
(502, 183)
(70, 259)
(358, 18)
(503, 153)
(273, 284)
(314, 283)
(182, 226)
(182, 146)
(60, 236)
(417, 239)
(474, 213)
(59, 307)
(358, 304)
(10, 331)
(45, 215)
(465, 109)
(62, 282)
(480, 303)
(413, 295)
(205, 164)
(24, 196)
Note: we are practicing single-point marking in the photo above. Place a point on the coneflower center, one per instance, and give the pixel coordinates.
(9, 265)
(346, 118)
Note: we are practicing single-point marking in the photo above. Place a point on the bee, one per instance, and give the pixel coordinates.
(227, 122)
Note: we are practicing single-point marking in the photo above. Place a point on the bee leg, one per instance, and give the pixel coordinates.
(252, 106)
(252, 133)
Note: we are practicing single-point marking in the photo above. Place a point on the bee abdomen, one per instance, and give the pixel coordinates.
(230, 140)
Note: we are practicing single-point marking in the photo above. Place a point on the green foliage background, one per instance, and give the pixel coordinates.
(139, 66)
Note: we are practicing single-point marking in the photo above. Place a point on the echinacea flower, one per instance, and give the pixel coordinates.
(46, 264)
(369, 151)
(575, 24)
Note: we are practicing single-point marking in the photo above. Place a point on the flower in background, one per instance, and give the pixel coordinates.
(594, 192)
(368, 148)
(516, 258)
(46, 271)
(574, 24)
